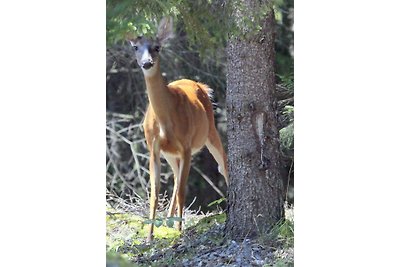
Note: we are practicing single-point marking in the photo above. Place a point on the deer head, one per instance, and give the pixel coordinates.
(147, 49)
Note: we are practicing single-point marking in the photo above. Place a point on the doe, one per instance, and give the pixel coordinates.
(179, 121)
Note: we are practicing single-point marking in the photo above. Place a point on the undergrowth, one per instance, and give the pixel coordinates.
(201, 243)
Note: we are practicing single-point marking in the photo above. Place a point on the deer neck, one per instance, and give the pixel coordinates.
(159, 95)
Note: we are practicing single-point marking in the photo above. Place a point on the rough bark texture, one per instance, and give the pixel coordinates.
(255, 193)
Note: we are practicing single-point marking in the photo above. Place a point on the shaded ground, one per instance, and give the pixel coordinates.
(201, 244)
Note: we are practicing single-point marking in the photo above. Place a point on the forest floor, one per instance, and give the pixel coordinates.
(202, 242)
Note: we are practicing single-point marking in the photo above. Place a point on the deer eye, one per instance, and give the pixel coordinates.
(157, 48)
(135, 47)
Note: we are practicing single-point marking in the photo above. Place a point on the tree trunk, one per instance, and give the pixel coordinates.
(255, 193)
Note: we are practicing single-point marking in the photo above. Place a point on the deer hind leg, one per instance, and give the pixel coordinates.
(184, 168)
(155, 167)
(174, 163)
(214, 145)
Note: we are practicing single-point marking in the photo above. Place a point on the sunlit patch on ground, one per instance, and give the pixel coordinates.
(201, 244)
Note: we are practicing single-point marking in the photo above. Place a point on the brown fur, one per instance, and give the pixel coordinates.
(179, 122)
(184, 112)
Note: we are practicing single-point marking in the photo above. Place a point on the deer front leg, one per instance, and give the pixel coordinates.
(155, 167)
(184, 168)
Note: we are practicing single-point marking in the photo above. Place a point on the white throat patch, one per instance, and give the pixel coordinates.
(150, 72)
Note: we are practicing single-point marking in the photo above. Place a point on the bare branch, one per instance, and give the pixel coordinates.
(208, 180)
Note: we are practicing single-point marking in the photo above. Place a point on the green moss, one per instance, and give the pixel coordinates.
(126, 235)
(114, 259)
(166, 232)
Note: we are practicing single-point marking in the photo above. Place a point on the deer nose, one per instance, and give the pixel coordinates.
(147, 65)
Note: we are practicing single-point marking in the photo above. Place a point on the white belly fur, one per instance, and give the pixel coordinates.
(166, 154)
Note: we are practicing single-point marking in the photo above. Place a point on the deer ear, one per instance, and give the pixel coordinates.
(165, 30)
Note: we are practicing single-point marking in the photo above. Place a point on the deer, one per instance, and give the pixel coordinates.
(178, 123)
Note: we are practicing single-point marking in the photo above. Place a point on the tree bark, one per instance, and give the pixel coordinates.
(255, 193)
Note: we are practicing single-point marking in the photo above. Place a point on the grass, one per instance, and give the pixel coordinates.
(203, 235)
(126, 232)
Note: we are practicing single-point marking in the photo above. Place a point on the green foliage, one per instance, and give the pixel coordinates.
(282, 233)
(284, 64)
(216, 202)
(126, 19)
(157, 222)
(286, 233)
(287, 133)
(206, 23)
(287, 80)
(281, 263)
(169, 221)
(115, 259)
